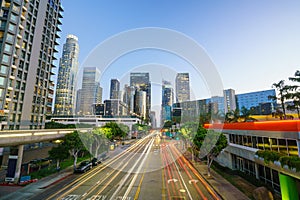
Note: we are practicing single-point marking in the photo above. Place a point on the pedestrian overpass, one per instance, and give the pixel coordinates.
(18, 138)
(21, 137)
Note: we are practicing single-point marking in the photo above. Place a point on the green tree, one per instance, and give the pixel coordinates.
(245, 115)
(296, 77)
(168, 124)
(116, 130)
(283, 94)
(100, 141)
(232, 116)
(188, 131)
(295, 93)
(59, 153)
(210, 144)
(74, 145)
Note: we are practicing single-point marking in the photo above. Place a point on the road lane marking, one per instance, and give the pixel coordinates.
(173, 179)
(130, 171)
(189, 194)
(139, 169)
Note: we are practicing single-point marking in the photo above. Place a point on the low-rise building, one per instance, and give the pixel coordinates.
(245, 139)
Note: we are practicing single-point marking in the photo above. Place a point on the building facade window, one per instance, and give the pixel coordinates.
(3, 69)
(2, 80)
(12, 27)
(286, 146)
(5, 58)
(7, 47)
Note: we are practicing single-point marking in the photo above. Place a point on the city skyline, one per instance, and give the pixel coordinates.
(245, 49)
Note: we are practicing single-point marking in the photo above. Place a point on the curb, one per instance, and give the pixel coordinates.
(53, 183)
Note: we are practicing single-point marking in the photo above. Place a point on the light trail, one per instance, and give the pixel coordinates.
(189, 194)
(87, 176)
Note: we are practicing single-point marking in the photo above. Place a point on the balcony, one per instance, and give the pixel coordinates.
(24, 8)
(23, 17)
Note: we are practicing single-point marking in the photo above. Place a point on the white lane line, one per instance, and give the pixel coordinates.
(138, 171)
(180, 174)
(129, 172)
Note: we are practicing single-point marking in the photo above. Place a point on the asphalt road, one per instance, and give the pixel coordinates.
(151, 168)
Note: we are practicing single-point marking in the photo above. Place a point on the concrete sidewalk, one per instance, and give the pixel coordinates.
(14, 192)
(33, 188)
(224, 188)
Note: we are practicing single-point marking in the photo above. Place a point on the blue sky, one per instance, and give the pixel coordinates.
(252, 43)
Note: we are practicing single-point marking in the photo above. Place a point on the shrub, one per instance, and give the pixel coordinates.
(291, 162)
(269, 155)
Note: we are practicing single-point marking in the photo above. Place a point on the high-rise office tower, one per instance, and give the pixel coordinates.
(141, 81)
(128, 97)
(182, 83)
(91, 92)
(78, 101)
(28, 40)
(167, 101)
(114, 89)
(167, 94)
(153, 119)
(140, 107)
(229, 100)
(66, 82)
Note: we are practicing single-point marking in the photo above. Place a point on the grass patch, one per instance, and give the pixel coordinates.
(44, 172)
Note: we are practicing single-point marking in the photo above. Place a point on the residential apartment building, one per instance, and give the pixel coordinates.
(28, 39)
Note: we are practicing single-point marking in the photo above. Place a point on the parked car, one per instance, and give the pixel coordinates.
(96, 161)
(83, 167)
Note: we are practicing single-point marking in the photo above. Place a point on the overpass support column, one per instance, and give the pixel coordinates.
(19, 163)
(256, 171)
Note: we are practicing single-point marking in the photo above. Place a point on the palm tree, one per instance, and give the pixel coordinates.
(283, 94)
(232, 116)
(296, 78)
(295, 95)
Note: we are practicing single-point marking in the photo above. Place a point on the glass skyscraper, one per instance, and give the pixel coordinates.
(28, 40)
(66, 83)
(114, 89)
(182, 82)
(91, 92)
(167, 101)
(141, 82)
